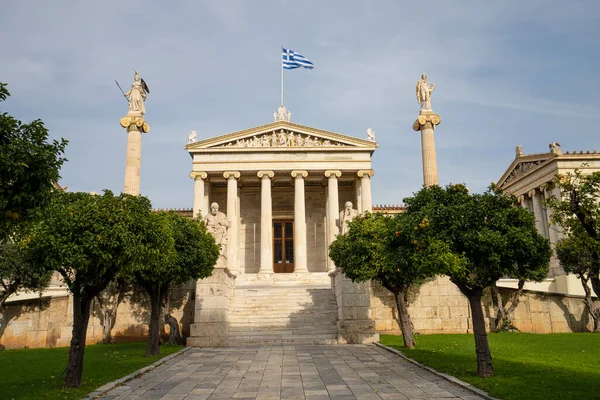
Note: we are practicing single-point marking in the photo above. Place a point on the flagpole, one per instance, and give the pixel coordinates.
(281, 76)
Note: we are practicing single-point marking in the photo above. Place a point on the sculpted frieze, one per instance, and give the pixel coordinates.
(521, 169)
(282, 139)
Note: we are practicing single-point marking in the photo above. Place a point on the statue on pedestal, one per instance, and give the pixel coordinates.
(137, 94)
(424, 90)
(347, 215)
(216, 224)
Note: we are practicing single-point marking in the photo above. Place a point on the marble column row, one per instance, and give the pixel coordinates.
(201, 207)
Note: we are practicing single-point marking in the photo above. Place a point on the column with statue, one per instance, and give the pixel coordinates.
(135, 124)
(426, 123)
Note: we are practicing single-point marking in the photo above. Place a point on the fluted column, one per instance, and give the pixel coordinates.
(333, 210)
(135, 124)
(266, 222)
(426, 123)
(365, 189)
(357, 190)
(200, 208)
(535, 200)
(233, 218)
(299, 222)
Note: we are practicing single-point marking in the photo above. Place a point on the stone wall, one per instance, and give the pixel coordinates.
(47, 322)
(439, 307)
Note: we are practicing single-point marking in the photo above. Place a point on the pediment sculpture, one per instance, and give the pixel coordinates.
(282, 139)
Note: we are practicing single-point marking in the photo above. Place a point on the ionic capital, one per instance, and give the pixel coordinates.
(299, 173)
(520, 199)
(365, 172)
(231, 174)
(135, 120)
(427, 120)
(266, 174)
(198, 175)
(531, 193)
(333, 172)
(544, 187)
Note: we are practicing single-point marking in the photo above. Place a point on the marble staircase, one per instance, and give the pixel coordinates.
(283, 309)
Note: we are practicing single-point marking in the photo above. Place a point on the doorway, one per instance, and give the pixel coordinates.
(283, 246)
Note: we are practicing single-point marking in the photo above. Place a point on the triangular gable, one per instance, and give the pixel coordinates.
(281, 135)
(522, 166)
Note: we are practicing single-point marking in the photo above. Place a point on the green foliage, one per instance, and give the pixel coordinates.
(18, 273)
(33, 373)
(577, 212)
(528, 366)
(89, 238)
(29, 166)
(495, 238)
(394, 251)
(192, 253)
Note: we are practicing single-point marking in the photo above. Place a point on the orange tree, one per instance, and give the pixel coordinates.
(89, 239)
(495, 238)
(396, 252)
(194, 256)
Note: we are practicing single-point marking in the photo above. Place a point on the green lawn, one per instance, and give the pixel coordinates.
(527, 366)
(31, 373)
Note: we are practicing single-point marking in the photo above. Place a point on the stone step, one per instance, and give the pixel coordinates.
(299, 340)
(282, 329)
(278, 321)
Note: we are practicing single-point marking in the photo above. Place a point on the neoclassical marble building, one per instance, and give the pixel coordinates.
(282, 186)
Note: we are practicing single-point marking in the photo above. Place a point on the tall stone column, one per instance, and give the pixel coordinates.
(358, 195)
(333, 210)
(266, 222)
(535, 199)
(426, 123)
(301, 265)
(135, 124)
(234, 220)
(365, 189)
(200, 209)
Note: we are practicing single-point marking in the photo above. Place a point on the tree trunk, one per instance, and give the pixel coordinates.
(485, 368)
(153, 346)
(109, 304)
(404, 319)
(81, 317)
(174, 333)
(503, 314)
(589, 303)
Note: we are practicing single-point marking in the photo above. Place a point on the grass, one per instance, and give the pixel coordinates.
(33, 373)
(526, 366)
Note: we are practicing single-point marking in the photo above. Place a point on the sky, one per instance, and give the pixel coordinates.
(507, 73)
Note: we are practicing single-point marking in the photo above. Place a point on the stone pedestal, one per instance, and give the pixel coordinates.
(211, 309)
(355, 322)
(426, 123)
(135, 124)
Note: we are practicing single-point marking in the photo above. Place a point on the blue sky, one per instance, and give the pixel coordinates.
(507, 73)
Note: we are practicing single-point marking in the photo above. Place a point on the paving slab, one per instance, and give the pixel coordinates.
(288, 372)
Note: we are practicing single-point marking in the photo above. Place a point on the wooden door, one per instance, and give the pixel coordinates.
(283, 246)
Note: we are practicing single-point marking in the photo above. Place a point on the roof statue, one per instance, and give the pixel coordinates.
(137, 94)
(519, 151)
(192, 137)
(371, 135)
(282, 114)
(424, 90)
(555, 148)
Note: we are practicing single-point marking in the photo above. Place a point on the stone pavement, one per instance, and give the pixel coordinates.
(361, 372)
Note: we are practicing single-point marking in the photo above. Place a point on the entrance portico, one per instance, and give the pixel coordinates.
(282, 186)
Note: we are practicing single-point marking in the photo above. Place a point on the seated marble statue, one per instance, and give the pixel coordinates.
(217, 224)
(347, 215)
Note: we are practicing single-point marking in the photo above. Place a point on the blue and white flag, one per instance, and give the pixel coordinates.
(293, 60)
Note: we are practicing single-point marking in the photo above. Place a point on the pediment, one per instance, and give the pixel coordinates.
(282, 136)
(522, 166)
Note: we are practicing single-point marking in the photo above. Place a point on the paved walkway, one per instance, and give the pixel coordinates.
(361, 372)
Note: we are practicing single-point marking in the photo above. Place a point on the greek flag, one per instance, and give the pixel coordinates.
(293, 60)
